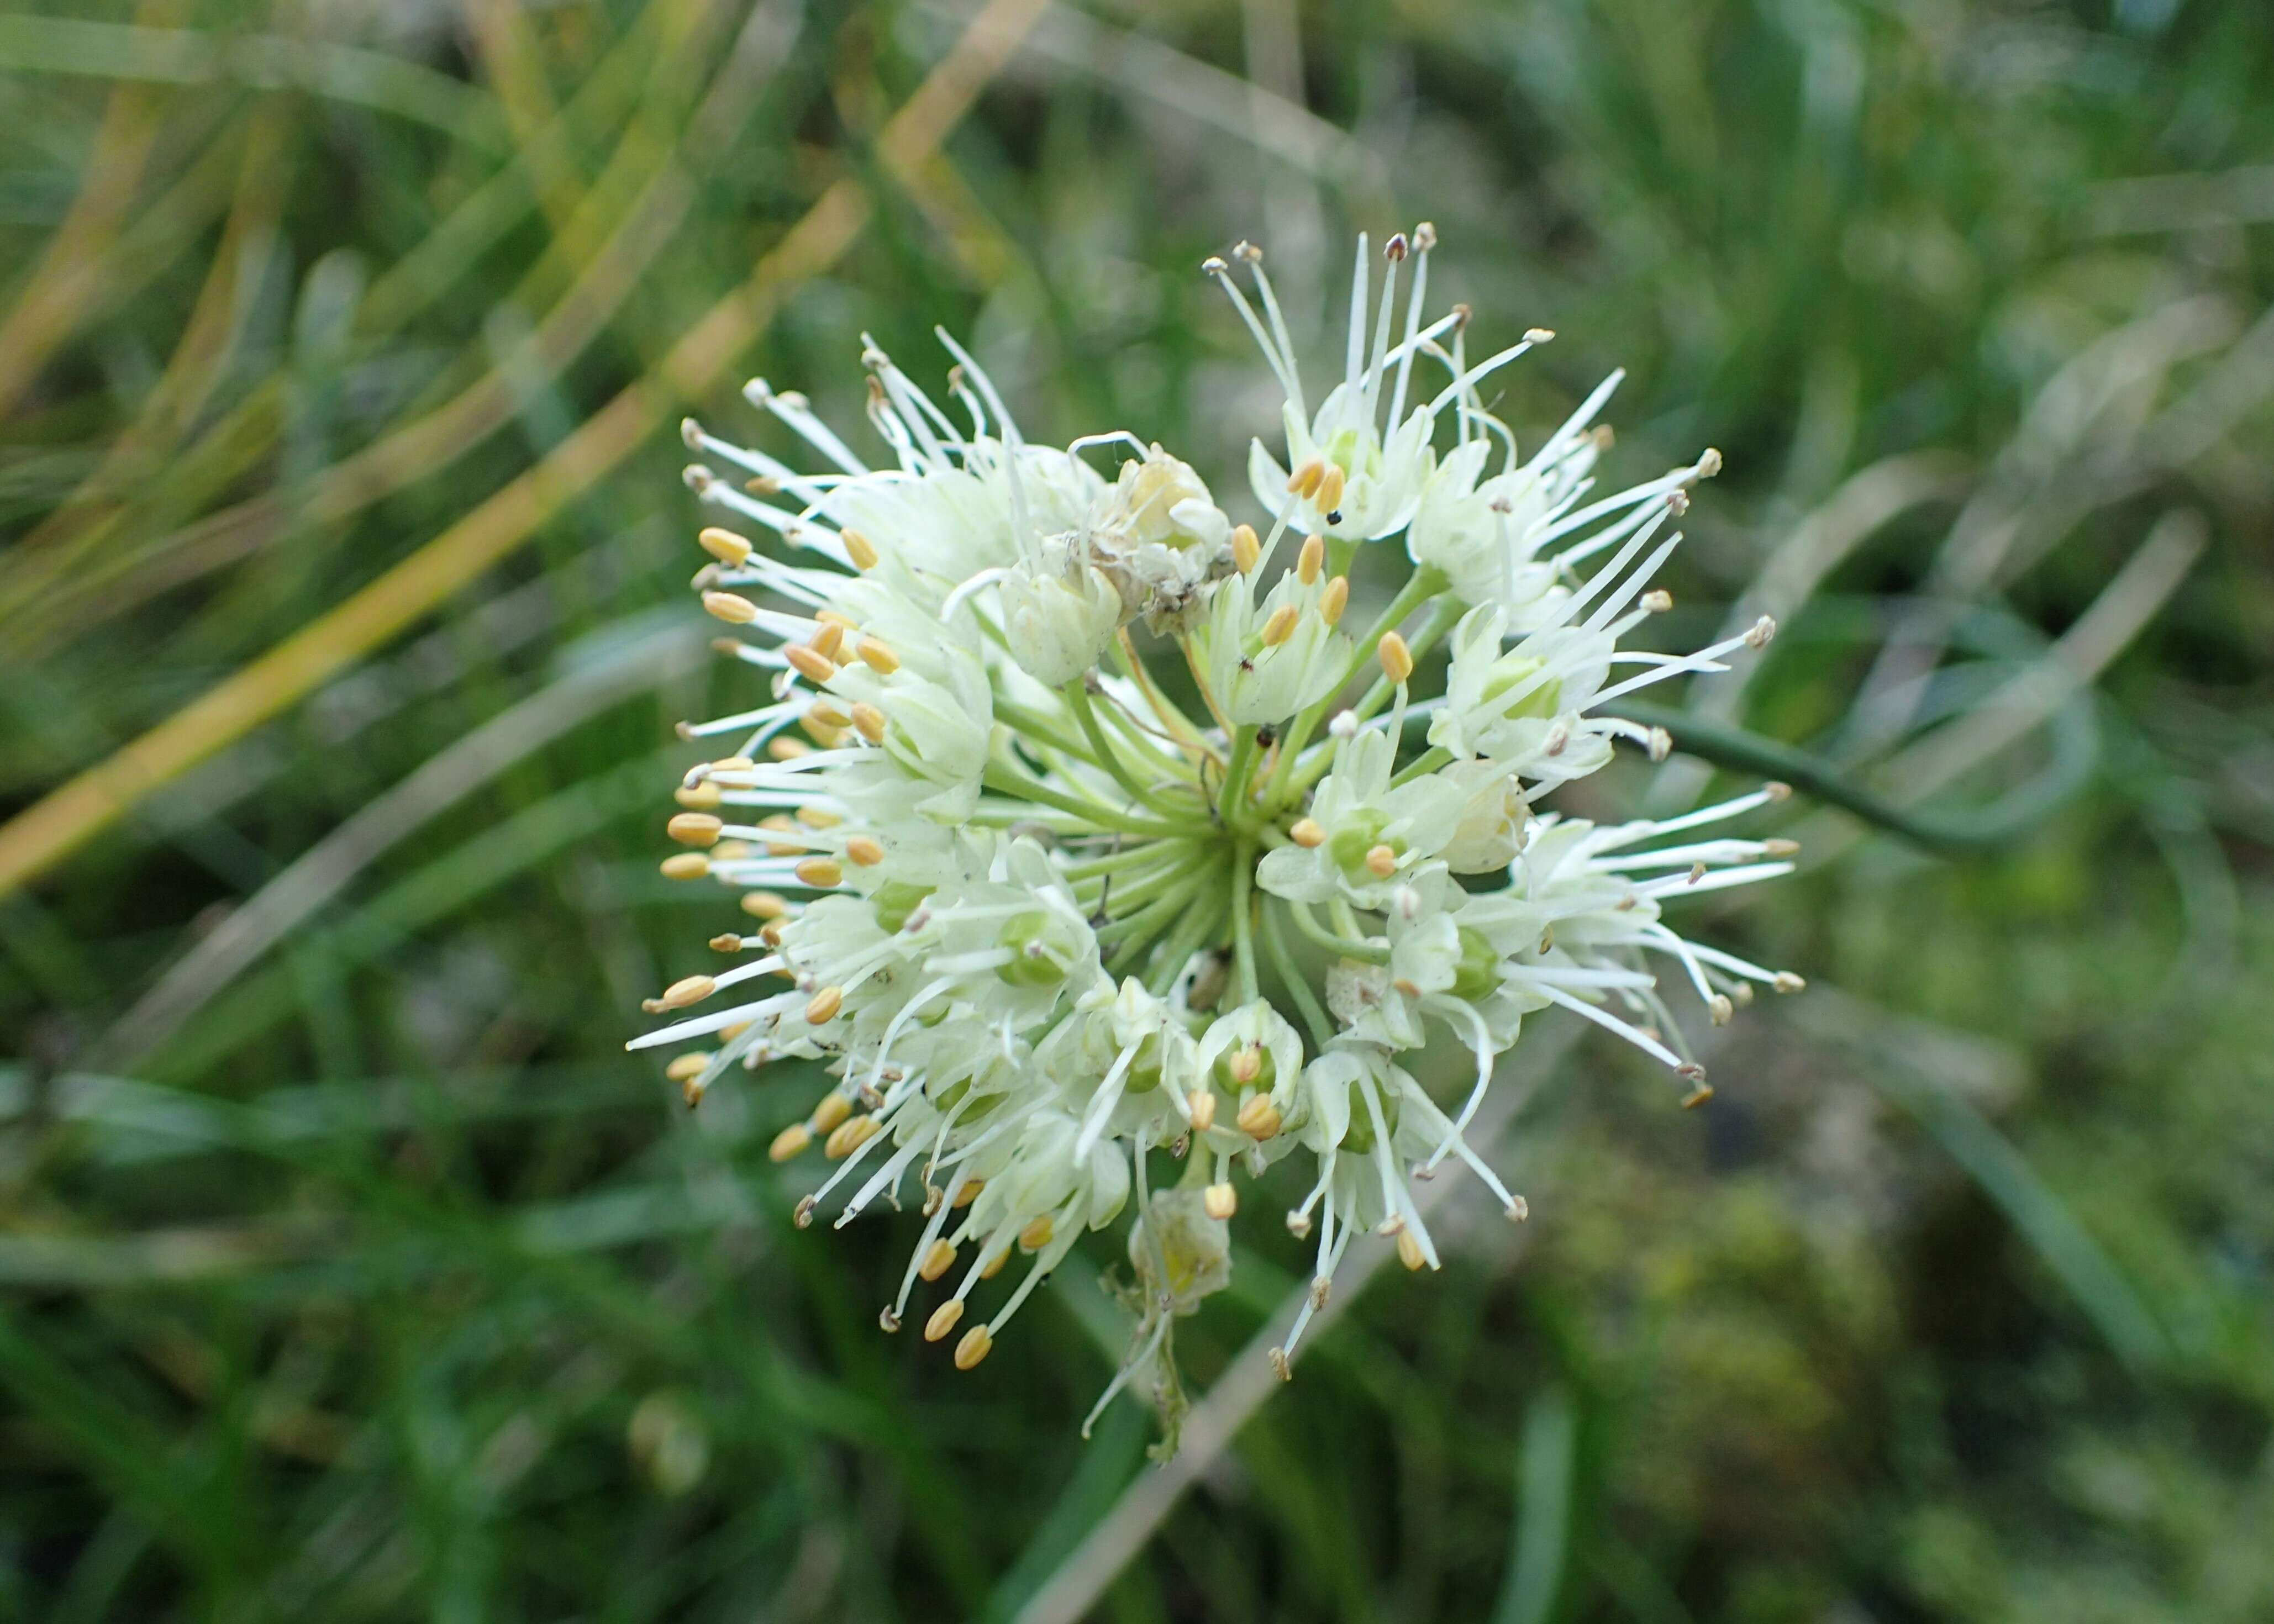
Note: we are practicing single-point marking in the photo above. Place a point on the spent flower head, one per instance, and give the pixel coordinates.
(1038, 920)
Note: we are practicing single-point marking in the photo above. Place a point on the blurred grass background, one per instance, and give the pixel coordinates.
(351, 1269)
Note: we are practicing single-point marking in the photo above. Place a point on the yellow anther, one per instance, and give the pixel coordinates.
(879, 656)
(686, 866)
(823, 1006)
(938, 1258)
(1280, 627)
(973, 1347)
(692, 1090)
(1396, 658)
(821, 873)
(943, 1319)
(1335, 600)
(684, 1066)
(1696, 1097)
(1306, 479)
(847, 1137)
(780, 824)
(727, 1035)
(693, 829)
(826, 715)
(810, 664)
(1258, 1117)
(1220, 1201)
(687, 990)
(1246, 1065)
(728, 548)
(827, 641)
(727, 942)
(701, 797)
(869, 722)
(764, 904)
(1307, 833)
(818, 817)
(1202, 1104)
(1409, 1250)
(969, 1192)
(731, 764)
(1381, 862)
(1310, 560)
(736, 610)
(790, 1141)
(1246, 551)
(994, 1264)
(1037, 1234)
(782, 748)
(865, 850)
(730, 851)
(859, 548)
(831, 1108)
(1329, 497)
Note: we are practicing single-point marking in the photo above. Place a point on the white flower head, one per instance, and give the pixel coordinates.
(1035, 892)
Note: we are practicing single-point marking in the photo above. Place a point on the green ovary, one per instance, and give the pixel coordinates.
(1359, 1137)
(893, 901)
(952, 1095)
(1263, 1082)
(1144, 1073)
(1032, 963)
(1478, 975)
(1360, 834)
(1512, 670)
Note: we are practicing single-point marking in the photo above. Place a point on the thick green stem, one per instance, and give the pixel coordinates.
(1322, 1030)
(1035, 725)
(1008, 780)
(1134, 893)
(1243, 922)
(1165, 710)
(1233, 799)
(1435, 757)
(1349, 947)
(1113, 862)
(1134, 931)
(1077, 698)
(1747, 752)
(1199, 925)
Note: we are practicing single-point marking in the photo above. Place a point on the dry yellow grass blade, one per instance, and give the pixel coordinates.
(210, 338)
(65, 820)
(53, 592)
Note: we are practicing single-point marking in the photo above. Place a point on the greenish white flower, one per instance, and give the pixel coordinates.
(1269, 658)
(1065, 944)
(1058, 617)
